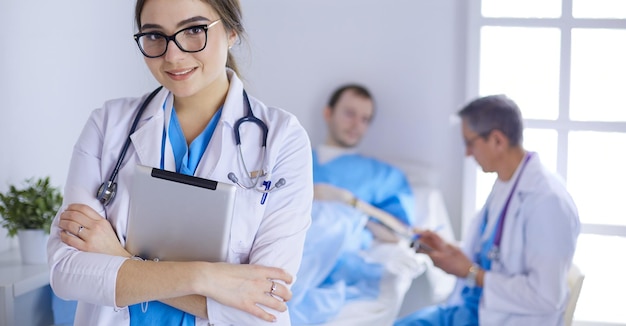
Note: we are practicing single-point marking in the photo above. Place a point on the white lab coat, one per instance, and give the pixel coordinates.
(271, 234)
(528, 286)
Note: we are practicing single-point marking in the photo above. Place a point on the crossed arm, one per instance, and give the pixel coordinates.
(183, 285)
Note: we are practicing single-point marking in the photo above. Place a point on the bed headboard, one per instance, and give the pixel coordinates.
(429, 204)
(418, 173)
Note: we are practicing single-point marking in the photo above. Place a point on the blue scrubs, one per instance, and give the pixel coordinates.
(187, 159)
(465, 314)
(332, 272)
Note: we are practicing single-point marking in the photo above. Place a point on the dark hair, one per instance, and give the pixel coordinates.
(495, 112)
(356, 88)
(228, 10)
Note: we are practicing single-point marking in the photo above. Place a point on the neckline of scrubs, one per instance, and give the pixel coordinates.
(187, 159)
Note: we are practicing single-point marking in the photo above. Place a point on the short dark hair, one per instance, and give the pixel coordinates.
(495, 112)
(356, 88)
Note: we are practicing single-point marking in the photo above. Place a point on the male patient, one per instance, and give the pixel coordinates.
(350, 188)
(361, 181)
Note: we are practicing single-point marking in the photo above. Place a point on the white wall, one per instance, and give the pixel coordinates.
(61, 59)
(58, 61)
(410, 53)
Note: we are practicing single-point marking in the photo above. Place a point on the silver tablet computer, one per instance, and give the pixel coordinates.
(176, 217)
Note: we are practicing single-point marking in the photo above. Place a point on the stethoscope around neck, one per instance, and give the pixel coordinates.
(107, 190)
(494, 253)
(249, 117)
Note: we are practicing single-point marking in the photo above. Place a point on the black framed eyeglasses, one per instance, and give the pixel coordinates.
(190, 39)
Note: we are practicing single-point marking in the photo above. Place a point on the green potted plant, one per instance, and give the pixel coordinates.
(28, 212)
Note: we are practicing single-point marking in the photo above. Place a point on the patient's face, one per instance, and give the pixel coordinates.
(349, 120)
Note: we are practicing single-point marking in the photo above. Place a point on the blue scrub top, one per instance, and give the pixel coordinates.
(471, 296)
(465, 314)
(187, 159)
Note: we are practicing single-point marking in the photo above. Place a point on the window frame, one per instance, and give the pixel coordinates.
(563, 125)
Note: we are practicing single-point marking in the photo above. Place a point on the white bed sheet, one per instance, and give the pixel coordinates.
(433, 286)
(401, 267)
(410, 280)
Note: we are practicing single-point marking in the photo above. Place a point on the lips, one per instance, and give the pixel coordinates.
(180, 74)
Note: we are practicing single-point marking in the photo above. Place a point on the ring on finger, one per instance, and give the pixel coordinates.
(273, 287)
(80, 228)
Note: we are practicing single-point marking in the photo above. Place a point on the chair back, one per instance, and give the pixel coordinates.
(575, 279)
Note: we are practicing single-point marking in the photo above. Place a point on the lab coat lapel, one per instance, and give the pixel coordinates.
(146, 140)
(526, 183)
(524, 186)
(215, 163)
(212, 154)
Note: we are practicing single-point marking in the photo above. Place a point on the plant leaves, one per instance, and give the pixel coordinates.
(31, 207)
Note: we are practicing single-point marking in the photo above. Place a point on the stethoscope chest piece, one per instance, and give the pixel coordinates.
(106, 192)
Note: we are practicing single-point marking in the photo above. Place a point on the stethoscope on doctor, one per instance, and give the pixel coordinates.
(494, 252)
(107, 190)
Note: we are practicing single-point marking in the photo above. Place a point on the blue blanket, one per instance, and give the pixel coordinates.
(332, 271)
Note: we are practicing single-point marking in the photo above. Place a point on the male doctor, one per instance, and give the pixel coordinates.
(513, 267)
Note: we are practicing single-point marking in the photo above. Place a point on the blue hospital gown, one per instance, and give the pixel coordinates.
(372, 181)
(332, 271)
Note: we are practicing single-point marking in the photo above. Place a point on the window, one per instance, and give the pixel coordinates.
(563, 62)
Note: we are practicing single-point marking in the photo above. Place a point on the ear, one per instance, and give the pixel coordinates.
(499, 139)
(232, 38)
(327, 113)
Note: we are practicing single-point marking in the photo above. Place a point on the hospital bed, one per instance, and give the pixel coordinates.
(414, 281)
(434, 285)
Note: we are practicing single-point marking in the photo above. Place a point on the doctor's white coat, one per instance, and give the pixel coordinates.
(528, 285)
(271, 234)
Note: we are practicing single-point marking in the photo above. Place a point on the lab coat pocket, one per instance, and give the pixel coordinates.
(247, 218)
(240, 252)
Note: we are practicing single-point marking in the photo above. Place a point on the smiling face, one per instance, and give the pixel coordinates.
(187, 74)
(349, 119)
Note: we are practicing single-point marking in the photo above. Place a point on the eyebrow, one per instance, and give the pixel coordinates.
(180, 24)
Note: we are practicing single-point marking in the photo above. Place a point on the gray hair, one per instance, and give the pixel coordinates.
(494, 112)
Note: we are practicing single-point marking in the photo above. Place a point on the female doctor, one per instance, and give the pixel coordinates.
(513, 267)
(189, 126)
